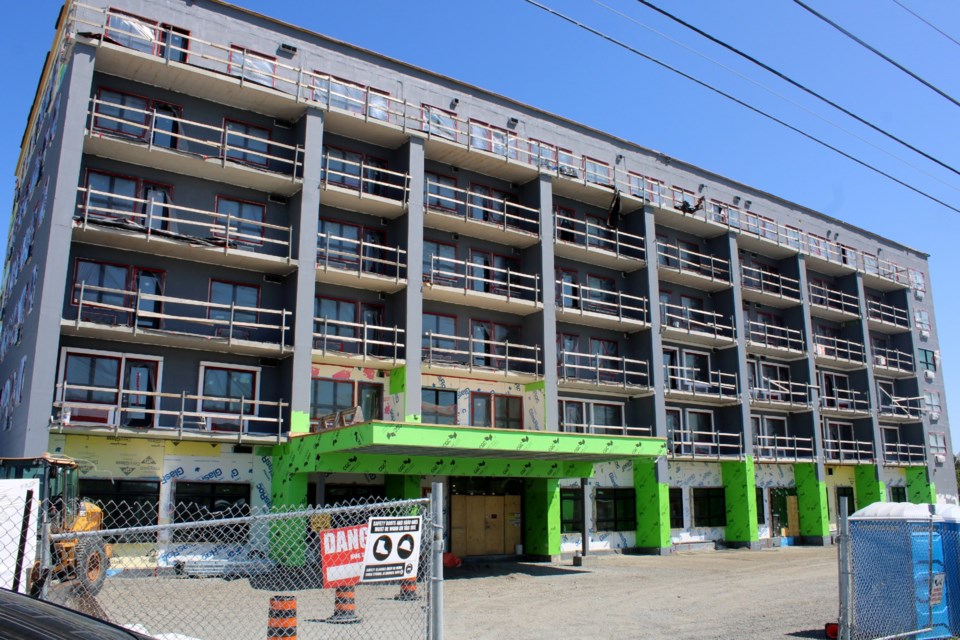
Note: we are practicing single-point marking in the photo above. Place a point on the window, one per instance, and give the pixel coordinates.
(928, 359)
(938, 443)
(124, 501)
(111, 196)
(247, 143)
(918, 280)
(122, 113)
(676, 508)
(931, 401)
(104, 374)
(761, 513)
(330, 396)
(226, 389)
(898, 494)
(508, 412)
(571, 510)
(847, 492)
(542, 154)
(101, 372)
(596, 171)
(438, 406)
(922, 319)
(199, 501)
(336, 318)
(131, 31)
(243, 219)
(178, 41)
(616, 509)
(101, 284)
(441, 191)
(231, 294)
(709, 507)
(607, 415)
(251, 65)
(492, 139)
(370, 399)
(439, 262)
(439, 122)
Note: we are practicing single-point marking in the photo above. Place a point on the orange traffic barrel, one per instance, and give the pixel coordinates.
(344, 606)
(408, 590)
(283, 618)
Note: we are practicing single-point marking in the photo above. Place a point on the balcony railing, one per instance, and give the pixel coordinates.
(160, 130)
(785, 392)
(361, 257)
(601, 370)
(363, 340)
(173, 413)
(676, 258)
(579, 298)
(716, 385)
(158, 219)
(841, 450)
(701, 321)
(845, 401)
(892, 359)
(478, 278)
(774, 337)
(887, 314)
(705, 444)
(607, 430)
(475, 207)
(769, 282)
(782, 448)
(595, 237)
(147, 313)
(501, 356)
(901, 453)
(833, 299)
(900, 408)
(365, 179)
(838, 349)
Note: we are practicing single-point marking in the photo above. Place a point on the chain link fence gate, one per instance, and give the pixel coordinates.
(244, 573)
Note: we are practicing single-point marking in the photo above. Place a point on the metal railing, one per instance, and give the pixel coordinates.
(163, 131)
(887, 314)
(704, 444)
(903, 453)
(177, 412)
(890, 406)
(844, 400)
(480, 354)
(602, 370)
(579, 298)
(474, 206)
(596, 237)
(708, 384)
(479, 278)
(364, 178)
(166, 220)
(782, 448)
(680, 318)
(606, 430)
(842, 450)
(838, 348)
(360, 256)
(147, 312)
(773, 336)
(892, 359)
(676, 258)
(769, 282)
(830, 298)
(781, 392)
(369, 341)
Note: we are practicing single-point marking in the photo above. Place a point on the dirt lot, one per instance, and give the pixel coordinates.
(774, 593)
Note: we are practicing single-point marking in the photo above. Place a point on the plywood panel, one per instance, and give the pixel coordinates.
(458, 525)
(513, 531)
(476, 527)
(493, 525)
(793, 516)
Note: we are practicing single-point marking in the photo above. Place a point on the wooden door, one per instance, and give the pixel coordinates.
(492, 525)
(459, 508)
(513, 519)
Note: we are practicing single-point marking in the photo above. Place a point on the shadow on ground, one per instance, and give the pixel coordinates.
(499, 569)
(813, 633)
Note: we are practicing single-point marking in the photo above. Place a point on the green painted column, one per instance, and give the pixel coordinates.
(653, 506)
(740, 494)
(288, 489)
(919, 488)
(404, 487)
(867, 484)
(811, 501)
(541, 517)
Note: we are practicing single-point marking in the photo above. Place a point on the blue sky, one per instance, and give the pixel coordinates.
(509, 47)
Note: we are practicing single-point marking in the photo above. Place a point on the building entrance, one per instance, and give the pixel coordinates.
(485, 516)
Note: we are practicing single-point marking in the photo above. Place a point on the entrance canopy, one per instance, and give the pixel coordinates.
(420, 449)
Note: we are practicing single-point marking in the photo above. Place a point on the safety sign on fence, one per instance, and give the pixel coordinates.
(342, 558)
(393, 549)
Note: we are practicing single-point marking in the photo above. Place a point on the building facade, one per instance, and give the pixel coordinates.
(228, 231)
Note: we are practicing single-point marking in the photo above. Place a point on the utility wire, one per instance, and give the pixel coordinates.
(926, 22)
(740, 102)
(879, 53)
(798, 85)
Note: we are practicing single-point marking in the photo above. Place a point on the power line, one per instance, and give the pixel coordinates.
(879, 53)
(798, 85)
(926, 22)
(756, 110)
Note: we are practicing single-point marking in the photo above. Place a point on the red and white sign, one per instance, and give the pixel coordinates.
(342, 555)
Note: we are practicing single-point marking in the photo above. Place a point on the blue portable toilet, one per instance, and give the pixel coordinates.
(951, 556)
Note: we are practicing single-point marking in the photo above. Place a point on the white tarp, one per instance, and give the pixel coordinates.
(13, 496)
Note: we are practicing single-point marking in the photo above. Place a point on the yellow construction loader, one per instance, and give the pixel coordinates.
(83, 561)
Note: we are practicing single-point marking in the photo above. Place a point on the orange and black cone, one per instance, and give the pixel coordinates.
(283, 618)
(344, 606)
(408, 590)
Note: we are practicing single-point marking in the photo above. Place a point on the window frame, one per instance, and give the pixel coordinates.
(206, 365)
(617, 495)
(241, 68)
(234, 284)
(573, 496)
(927, 359)
(676, 502)
(438, 392)
(115, 126)
(245, 136)
(711, 516)
(257, 242)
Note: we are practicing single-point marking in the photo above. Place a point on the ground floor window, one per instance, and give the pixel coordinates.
(676, 508)
(125, 502)
(571, 510)
(616, 510)
(761, 513)
(709, 507)
(438, 406)
(898, 494)
(201, 501)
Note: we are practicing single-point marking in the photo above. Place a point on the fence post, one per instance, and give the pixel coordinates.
(436, 566)
(843, 554)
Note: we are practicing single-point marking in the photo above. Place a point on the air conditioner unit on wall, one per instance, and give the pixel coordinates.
(934, 416)
(918, 294)
(924, 334)
(930, 376)
(939, 458)
(880, 361)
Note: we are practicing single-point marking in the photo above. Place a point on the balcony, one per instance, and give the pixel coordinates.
(144, 318)
(482, 286)
(773, 340)
(361, 264)
(154, 139)
(847, 451)
(687, 384)
(781, 395)
(892, 363)
(161, 228)
(833, 304)
(608, 374)
(704, 445)
(901, 454)
(782, 448)
(355, 344)
(176, 416)
(607, 430)
(695, 326)
(769, 288)
(357, 186)
(480, 215)
(599, 245)
(480, 358)
(886, 318)
(690, 268)
(899, 409)
(592, 307)
(838, 352)
(844, 403)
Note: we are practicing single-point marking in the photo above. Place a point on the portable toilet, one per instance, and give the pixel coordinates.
(896, 549)
(950, 514)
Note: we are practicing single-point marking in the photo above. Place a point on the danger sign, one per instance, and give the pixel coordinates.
(342, 552)
(393, 552)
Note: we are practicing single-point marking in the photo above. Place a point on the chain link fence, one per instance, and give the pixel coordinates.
(363, 569)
